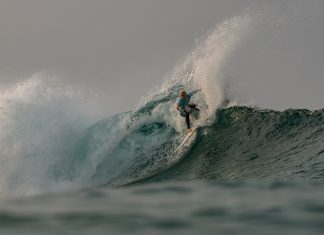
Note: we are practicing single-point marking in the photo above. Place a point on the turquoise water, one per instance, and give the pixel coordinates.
(251, 171)
(245, 171)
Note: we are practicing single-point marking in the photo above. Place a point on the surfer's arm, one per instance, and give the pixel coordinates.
(178, 107)
(193, 92)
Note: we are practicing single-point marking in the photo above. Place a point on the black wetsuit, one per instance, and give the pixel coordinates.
(186, 114)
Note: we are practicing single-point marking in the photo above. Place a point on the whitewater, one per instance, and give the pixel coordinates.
(69, 169)
(49, 142)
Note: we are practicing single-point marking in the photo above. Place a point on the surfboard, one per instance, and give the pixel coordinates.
(186, 139)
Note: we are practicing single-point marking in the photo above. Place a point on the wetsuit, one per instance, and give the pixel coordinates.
(185, 103)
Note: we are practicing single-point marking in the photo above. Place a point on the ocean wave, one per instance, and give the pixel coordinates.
(50, 144)
(241, 143)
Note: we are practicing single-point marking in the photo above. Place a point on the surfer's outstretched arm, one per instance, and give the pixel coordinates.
(193, 92)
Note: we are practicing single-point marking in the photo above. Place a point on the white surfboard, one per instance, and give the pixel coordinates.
(186, 139)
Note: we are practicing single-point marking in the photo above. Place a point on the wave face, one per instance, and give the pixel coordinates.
(242, 143)
(247, 143)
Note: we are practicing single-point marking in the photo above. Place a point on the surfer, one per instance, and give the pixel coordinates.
(185, 107)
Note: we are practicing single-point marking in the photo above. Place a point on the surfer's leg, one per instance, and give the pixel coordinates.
(188, 120)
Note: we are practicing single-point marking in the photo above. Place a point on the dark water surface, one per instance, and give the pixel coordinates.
(172, 208)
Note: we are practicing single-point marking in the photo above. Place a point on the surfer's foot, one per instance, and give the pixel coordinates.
(189, 130)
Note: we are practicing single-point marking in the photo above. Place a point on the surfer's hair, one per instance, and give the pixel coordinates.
(183, 92)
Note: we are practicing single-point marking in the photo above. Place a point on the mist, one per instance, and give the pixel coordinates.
(121, 50)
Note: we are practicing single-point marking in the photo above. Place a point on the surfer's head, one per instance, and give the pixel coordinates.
(183, 94)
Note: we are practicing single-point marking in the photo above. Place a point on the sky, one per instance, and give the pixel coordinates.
(123, 48)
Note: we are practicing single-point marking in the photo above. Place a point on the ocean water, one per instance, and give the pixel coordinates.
(246, 170)
(195, 207)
